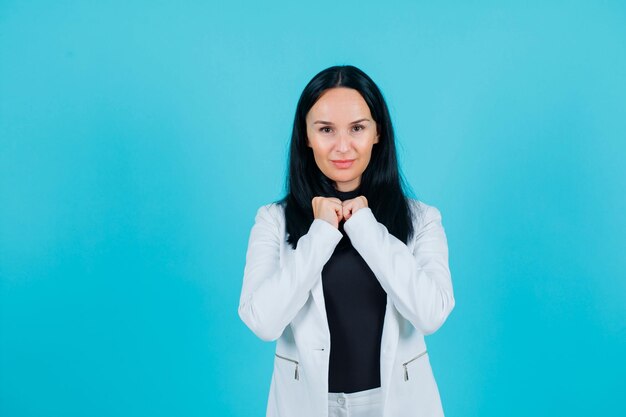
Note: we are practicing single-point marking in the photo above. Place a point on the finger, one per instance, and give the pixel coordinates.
(347, 211)
(338, 211)
(334, 199)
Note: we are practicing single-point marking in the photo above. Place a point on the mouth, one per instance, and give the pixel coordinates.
(343, 163)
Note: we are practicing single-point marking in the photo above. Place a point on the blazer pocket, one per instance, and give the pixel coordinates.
(408, 363)
(296, 375)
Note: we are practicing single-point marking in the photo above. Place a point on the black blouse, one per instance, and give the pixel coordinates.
(355, 308)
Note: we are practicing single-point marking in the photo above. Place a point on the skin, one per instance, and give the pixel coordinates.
(340, 127)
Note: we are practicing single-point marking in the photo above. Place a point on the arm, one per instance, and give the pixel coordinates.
(418, 283)
(272, 295)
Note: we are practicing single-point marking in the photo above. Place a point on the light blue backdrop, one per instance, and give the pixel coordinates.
(138, 138)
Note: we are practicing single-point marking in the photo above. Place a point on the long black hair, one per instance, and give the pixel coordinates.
(381, 183)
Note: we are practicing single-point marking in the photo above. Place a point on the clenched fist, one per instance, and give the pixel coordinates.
(334, 210)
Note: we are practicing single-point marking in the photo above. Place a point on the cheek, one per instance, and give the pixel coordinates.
(319, 156)
(319, 148)
(366, 149)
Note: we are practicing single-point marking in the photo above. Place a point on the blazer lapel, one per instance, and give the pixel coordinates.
(388, 344)
(318, 296)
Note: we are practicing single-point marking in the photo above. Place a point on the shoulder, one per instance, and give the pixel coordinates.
(273, 212)
(423, 213)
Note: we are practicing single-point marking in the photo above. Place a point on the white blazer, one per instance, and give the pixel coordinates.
(282, 299)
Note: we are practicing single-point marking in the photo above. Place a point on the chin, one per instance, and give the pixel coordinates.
(342, 177)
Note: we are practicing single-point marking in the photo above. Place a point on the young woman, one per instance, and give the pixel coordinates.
(346, 272)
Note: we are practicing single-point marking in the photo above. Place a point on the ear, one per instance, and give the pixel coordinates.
(376, 138)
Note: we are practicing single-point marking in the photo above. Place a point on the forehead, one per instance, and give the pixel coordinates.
(340, 103)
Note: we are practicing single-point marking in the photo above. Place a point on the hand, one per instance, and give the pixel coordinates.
(328, 208)
(352, 206)
(334, 210)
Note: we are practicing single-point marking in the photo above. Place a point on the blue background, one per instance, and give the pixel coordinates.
(138, 138)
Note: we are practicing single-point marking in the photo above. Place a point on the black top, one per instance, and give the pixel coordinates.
(355, 307)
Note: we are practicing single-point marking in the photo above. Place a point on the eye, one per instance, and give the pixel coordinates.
(358, 128)
(325, 129)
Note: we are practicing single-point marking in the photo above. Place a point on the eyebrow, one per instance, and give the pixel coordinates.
(322, 122)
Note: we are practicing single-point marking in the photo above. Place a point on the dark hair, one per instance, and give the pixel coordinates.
(381, 182)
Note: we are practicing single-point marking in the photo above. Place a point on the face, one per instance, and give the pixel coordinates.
(341, 132)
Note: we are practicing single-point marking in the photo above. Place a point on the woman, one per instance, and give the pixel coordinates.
(346, 273)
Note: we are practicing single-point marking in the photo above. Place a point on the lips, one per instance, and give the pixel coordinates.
(343, 163)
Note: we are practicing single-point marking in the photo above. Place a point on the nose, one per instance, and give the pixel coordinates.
(343, 143)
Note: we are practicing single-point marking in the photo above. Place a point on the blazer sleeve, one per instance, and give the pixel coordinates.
(418, 282)
(272, 294)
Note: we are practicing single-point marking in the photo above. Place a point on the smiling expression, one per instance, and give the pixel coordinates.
(341, 133)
